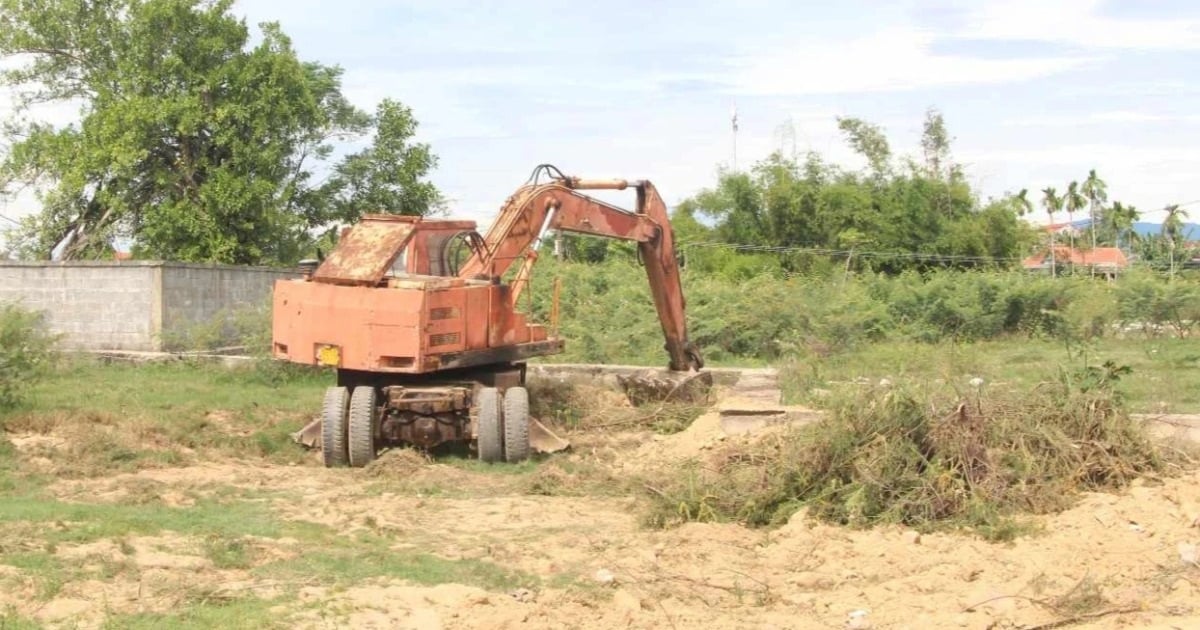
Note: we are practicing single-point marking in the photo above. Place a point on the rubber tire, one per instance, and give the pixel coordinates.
(516, 425)
(490, 427)
(360, 430)
(333, 426)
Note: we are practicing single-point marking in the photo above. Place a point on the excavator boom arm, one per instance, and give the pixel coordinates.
(560, 205)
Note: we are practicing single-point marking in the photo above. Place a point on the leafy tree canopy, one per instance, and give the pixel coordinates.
(896, 216)
(190, 141)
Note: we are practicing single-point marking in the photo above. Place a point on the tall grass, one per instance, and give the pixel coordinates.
(607, 315)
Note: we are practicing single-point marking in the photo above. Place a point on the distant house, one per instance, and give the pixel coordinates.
(1107, 260)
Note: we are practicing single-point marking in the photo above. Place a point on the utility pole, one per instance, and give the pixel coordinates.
(733, 116)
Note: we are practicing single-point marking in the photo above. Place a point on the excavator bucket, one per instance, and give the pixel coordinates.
(310, 435)
(543, 440)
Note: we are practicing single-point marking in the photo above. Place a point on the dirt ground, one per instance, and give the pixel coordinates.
(1113, 561)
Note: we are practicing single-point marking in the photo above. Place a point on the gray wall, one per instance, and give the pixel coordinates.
(129, 305)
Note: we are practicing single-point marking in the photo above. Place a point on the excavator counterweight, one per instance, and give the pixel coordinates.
(418, 320)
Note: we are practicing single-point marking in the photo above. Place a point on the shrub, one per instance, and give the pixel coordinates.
(893, 455)
(26, 352)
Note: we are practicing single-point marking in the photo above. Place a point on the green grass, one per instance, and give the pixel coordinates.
(11, 620)
(49, 572)
(248, 612)
(180, 388)
(126, 417)
(1166, 372)
(347, 562)
(85, 522)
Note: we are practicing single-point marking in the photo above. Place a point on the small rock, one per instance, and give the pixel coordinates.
(857, 620)
(604, 576)
(626, 601)
(912, 537)
(1182, 586)
(523, 595)
(1189, 554)
(811, 580)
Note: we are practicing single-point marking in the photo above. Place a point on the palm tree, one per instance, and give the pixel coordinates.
(1096, 192)
(1024, 205)
(1052, 203)
(1073, 201)
(1172, 227)
(1118, 220)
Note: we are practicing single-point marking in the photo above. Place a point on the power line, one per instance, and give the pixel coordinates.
(856, 252)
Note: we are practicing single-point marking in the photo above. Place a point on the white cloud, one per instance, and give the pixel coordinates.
(1077, 23)
(892, 59)
(1146, 176)
(1099, 118)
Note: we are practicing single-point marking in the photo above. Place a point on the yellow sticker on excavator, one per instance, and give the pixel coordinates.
(329, 355)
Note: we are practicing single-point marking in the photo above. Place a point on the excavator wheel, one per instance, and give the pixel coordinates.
(360, 430)
(333, 426)
(490, 425)
(516, 424)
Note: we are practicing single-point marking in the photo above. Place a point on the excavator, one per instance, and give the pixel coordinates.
(419, 318)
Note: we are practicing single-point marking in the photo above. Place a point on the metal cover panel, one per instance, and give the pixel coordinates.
(365, 253)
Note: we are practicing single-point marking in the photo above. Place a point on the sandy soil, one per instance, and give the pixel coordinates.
(601, 569)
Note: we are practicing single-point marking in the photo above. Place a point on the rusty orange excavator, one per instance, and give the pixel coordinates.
(419, 317)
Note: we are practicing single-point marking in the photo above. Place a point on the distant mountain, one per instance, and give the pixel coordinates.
(1191, 231)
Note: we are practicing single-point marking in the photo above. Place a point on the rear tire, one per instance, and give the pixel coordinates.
(333, 426)
(360, 433)
(516, 424)
(490, 438)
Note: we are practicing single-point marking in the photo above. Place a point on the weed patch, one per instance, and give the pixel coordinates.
(244, 612)
(895, 455)
(370, 557)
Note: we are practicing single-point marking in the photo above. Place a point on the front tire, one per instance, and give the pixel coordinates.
(360, 438)
(333, 426)
(489, 427)
(516, 424)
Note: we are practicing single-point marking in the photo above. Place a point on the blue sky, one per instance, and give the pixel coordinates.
(1034, 93)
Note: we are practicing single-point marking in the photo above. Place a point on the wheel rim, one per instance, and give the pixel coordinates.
(333, 426)
(360, 430)
(489, 430)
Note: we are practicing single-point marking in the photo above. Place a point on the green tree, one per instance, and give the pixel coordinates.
(1052, 203)
(935, 143)
(1116, 224)
(1172, 231)
(191, 142)
(894, 219)
(1024, 203)
(1096, 192)
(1172, 225)
(1073, 201)
(869, 141)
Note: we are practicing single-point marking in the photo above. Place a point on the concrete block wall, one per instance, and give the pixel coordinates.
(193, 294)
(129, 305)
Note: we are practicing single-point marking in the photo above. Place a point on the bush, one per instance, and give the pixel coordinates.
(607, 314)
(26, 352)
(924, 461)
